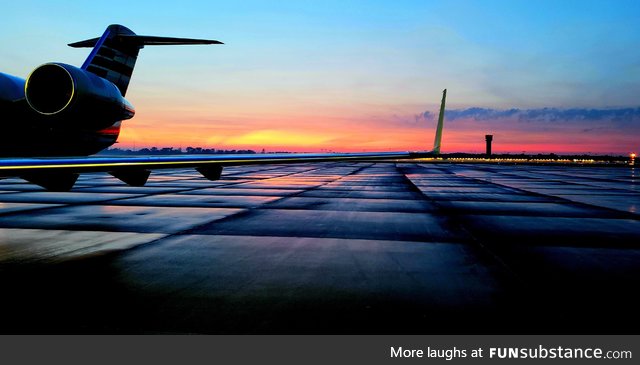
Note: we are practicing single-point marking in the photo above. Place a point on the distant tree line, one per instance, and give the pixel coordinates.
(174, 151)
(213, 151)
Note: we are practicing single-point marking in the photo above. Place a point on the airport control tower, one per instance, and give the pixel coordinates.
(489, 139)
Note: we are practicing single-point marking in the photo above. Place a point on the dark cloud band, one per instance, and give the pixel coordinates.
(541, 114)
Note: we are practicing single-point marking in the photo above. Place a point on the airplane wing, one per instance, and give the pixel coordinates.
(60, 174)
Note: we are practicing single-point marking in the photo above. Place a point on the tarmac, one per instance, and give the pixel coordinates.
(328, 248)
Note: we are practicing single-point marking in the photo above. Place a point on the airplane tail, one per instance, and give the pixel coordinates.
(437, 143)
(114, 54)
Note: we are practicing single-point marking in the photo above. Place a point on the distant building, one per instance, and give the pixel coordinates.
(489, 139)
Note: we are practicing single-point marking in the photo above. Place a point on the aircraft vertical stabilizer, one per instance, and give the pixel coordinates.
(112, 57)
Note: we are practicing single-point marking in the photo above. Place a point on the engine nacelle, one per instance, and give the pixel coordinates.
(72, 96)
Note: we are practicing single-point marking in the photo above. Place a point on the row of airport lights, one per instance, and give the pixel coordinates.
(632, 159)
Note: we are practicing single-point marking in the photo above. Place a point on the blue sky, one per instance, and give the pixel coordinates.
(339, 64)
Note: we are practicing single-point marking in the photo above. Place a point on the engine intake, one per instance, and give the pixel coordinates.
(50, 89)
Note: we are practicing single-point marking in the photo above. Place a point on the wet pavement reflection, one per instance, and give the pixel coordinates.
(326, 248)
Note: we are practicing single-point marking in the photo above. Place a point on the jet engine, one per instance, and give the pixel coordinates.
(64, 94)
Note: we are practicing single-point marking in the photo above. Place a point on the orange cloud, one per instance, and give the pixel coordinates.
(271, 137)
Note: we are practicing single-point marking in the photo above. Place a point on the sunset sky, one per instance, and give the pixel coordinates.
(541, 76)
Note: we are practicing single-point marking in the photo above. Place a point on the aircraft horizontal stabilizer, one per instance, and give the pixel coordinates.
(143, 40)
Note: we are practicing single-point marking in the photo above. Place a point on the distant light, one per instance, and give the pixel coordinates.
(632, 155)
